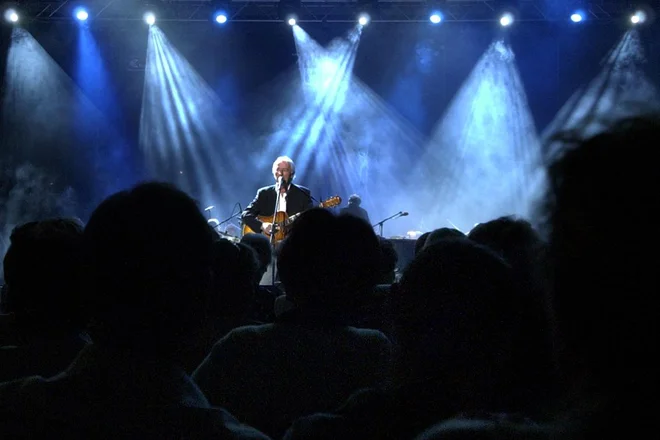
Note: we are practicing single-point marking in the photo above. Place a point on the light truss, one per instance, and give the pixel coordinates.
(324, 11)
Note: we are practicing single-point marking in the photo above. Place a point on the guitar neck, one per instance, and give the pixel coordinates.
(291, 218)
(282, 221)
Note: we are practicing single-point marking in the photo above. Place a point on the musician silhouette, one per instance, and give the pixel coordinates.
(353, 208)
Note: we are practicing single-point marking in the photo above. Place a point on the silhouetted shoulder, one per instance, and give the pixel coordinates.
(486, 429)
(249, 330)
(367, 333)
(242, 338)
(349, 421)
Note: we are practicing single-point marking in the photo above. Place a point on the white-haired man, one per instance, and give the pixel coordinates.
(293, 199)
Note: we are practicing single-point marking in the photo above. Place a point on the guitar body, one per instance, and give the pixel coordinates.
(280, 218)
(283, 221)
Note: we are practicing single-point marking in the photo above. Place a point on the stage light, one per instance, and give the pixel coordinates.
(506, 19)
(435, 18)
(638, 17)
(576, 17)
(292, 21)
(11, 15)
(363, 19)
(221, 18)
(81, 14)
(150, 18)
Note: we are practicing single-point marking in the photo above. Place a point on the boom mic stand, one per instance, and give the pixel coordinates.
(380, 223)
(233, 216)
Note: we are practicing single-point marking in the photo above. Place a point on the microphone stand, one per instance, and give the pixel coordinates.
(217, 227)
(226, 220)
(380, 223)
(272, 227)
(240, 211)
(309, 196)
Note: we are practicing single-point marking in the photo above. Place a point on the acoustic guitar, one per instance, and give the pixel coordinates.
(283, 221)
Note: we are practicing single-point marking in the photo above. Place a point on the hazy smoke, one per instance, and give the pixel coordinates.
(29, 193)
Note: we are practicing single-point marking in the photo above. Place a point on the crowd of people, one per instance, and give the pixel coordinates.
(126, 328)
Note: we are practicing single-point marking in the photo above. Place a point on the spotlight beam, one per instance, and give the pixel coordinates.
(188, 115)
(37, 89)
(185, 133)
(483, 159)
(325, 74)
(357, 144)
(620, 90)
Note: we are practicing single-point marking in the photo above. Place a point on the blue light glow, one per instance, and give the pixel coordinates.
(81, 14)
(11, 15)
(150, 18)
(506, 20)
(638, 18)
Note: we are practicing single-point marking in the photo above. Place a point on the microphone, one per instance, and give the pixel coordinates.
(208, 208)
(403, 213)
(283, 183)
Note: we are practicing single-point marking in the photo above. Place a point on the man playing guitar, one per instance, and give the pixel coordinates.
(293, 199)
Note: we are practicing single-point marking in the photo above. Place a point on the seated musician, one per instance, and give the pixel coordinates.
(293, 198)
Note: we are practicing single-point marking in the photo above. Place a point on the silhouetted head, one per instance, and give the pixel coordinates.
(458, 318)
(421, 241)
(235, 270)
(388, 260)
(262, 247)
(520, 245)
(442, 234)
(513, 238)
(329, 261)
(355, 200)
(149, 276)
(606, 280)
(42, 268)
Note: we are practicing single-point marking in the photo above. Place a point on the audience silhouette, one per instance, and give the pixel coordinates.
(131, 327)
(148, 292)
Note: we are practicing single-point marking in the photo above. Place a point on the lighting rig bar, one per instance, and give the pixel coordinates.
(323, 11)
